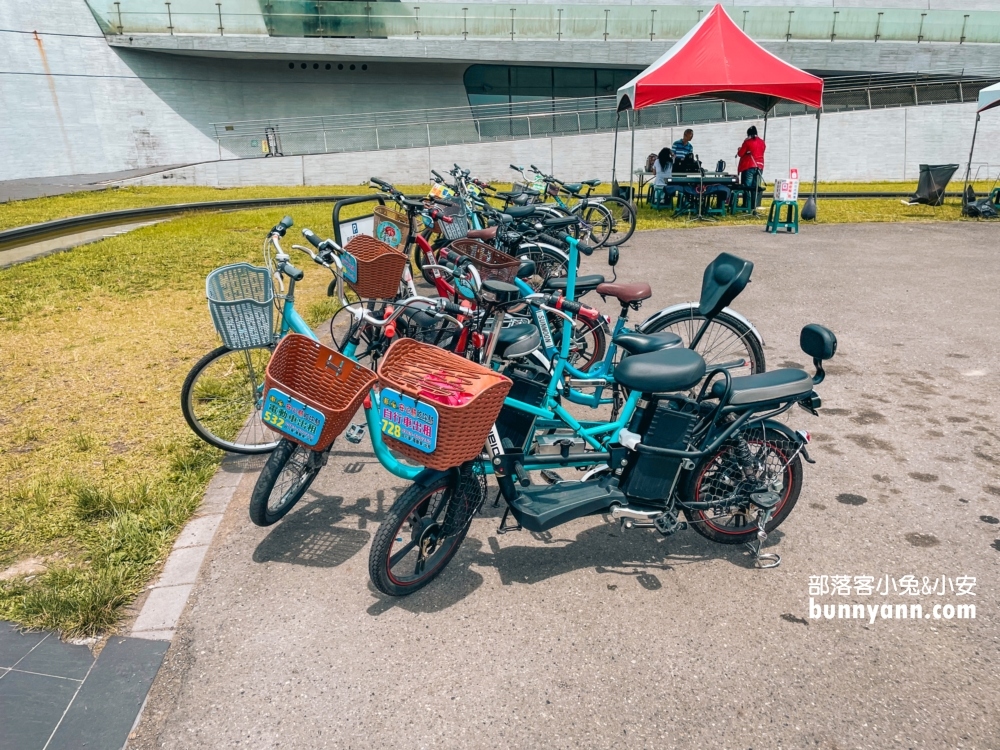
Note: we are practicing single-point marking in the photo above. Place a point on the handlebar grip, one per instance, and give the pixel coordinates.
(572, 307)
(437, 174)
(311, 236)
(452, 255)
(287, 222)
(514, 166)
(295, 274)
(454, 309)
(552, 240)
(535, 168)
(582, 246)
(378, 181)
(522, 476)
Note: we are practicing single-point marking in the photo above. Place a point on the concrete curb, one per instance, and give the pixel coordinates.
(168, 596)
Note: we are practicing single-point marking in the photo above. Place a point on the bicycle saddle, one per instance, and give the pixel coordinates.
(626, 293)
(644, 343)
(520, 212)
(560, 222)
(584, 284)
(661, 372)
(573, 187)
(517, 341)
(766, 386)
(592, 183)
(482, 234)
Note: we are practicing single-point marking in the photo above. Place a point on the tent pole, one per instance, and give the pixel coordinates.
(816, 156)
(631, 163)
(968, 167)
(765, 126)
(614, 158)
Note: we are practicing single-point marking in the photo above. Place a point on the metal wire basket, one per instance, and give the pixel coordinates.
(241, 301)
(457, 228)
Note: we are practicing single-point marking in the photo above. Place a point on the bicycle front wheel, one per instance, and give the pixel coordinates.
(286, 476)
(414, 543)
(222, 398)
(622, 220)
(727, 342)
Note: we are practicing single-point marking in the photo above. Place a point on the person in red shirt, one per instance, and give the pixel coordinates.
(751, 166)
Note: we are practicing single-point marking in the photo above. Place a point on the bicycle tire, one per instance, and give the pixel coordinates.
(588, 344)
(723, 327)
(211, 420)
(417, 497)
(722, 474)
(599, 221)
(624, 220)
(301, 467)
(549, 262)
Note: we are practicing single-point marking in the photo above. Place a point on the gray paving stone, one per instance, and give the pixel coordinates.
(58, 658)
(182, 566)
(30, 708)
(14, 645)
(163, 608)
(227, 476)
(216, 500)
(198, 532)
(104, 711)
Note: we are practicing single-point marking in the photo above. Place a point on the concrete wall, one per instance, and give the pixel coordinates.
(75, 105)
(854, 146)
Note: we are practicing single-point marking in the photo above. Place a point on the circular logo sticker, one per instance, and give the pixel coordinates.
(389, 233)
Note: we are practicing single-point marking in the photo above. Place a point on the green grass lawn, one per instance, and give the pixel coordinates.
(100, 471)
(20, 213)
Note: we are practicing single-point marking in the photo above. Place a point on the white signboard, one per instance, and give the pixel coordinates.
(786, 190)
(353, 227)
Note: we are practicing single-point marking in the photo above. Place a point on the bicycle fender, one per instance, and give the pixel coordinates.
(641, 328)
(428, 476)
(788, 432)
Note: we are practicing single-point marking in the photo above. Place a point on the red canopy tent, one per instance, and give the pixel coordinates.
(716, 57)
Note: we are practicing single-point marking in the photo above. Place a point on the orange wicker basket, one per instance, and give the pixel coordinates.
(374, 269)
(491, 263)
(463, 398)
(311, 392)
(391, 227)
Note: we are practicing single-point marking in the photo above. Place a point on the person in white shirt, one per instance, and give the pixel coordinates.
(663, 167)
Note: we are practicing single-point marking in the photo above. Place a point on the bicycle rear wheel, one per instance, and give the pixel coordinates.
(622, 220)
(727, 342)
(596, 226)
(222, 398)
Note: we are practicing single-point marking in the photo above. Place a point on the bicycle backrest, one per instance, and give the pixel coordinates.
(725, 277)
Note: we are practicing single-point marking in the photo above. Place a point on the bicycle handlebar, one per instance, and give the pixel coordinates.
(563, 305)
(582, 246)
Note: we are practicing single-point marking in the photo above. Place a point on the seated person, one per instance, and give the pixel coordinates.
(683, 147)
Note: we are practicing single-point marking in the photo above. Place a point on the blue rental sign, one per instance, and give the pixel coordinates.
(408, 421)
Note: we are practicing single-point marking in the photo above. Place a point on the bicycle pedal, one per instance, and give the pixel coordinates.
(551, 477)
(355, 432)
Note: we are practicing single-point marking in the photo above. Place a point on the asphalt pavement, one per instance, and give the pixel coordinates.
(592, 637)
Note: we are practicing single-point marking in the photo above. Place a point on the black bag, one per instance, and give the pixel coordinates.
(980, 209)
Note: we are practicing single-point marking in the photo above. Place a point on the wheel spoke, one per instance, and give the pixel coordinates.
(403, 552)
